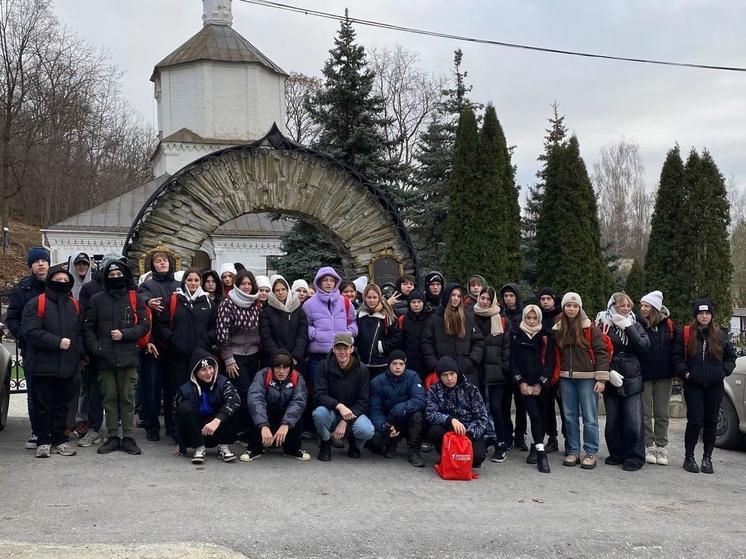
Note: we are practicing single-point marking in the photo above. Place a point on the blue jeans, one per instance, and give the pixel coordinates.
(578, 398)
(326, 420)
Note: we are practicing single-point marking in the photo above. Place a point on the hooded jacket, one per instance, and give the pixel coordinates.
(434, 301)
(284, 327)
(43, 334)
(462, 402)
(469, 299)
(28, 288)
(395, 396)
(575, 361)
(350, 387)
(111, 310)
(515, 315)
(548, 318)
(96, 285)
(326, 315)
(703, 369)
(657, 364)
(78, 283)
(159, 284)
(192, 324)
(219, 399)
(218, 295)
(278, 399)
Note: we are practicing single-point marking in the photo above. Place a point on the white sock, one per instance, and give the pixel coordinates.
(539, 447)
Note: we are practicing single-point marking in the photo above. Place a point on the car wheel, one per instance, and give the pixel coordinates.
(728, 432)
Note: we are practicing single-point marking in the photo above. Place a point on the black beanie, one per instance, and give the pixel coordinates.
(397, 354)
(416, 294)
(445, 364)
(546, 291)
(702, 305)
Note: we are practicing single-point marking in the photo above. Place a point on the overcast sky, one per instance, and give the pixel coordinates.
(603, 100)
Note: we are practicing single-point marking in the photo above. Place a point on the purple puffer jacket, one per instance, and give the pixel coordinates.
(326, 315)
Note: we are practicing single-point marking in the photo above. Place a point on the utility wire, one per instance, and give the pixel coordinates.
(394, 27)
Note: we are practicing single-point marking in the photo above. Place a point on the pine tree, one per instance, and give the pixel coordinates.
(567, 230)
(496, 210)
(665, 267)
(707, 251)
(555, 135)
(464, 236)
(300, 259)
(633, 285)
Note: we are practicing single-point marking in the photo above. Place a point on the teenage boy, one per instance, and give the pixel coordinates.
(398, 301)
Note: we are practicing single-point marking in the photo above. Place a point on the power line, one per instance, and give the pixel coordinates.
(393, 27)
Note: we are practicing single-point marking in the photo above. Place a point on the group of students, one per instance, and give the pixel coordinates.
(229, 356)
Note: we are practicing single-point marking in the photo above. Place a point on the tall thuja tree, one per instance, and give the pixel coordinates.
(428, 211)
(350, 130)
(496, 210)
(707, 250)
(464, 229)
(665, 267)
(568, 239)
(633, 285)
(555, 135)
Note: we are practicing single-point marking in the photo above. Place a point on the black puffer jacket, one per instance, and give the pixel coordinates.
(377, 336)
(467, 351)
(703, 369)
(532, 359)
(658, 363)
(192, 325)
(62, 319)
(412, 333)
(159, 284)
(515, 315)
(28, 288)
(286, 398)
(496, 361)
(334, 386)
(284, 331)
(111, 310)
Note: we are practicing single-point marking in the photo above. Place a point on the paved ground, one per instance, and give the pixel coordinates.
(156, 505)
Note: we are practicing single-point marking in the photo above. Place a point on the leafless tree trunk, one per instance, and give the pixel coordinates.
(298, 89)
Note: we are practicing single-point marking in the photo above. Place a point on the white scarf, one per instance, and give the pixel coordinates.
(241, 299)
(192, 297)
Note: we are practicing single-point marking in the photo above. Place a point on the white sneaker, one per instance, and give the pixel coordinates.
(64, 449)
(651, 455)
(91, 437)
(43, 451)
(662, 456)
(199, 455)
(225, 454)
(31, 442)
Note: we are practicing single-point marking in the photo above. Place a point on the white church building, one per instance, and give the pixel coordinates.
(216, 90)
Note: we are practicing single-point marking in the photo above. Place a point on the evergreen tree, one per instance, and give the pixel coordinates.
(496, 209)
(634, 285)
(555, 135)
(665, 267)
(463, 242)
(738, 261)
(567, 230)
(302, 261)
(707, 250)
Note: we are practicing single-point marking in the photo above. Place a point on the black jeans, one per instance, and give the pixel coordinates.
(550, 412)
(436, 433)
(625, 430)
(495, 399)
(93, 396)
(410, 427)
(190, 424)
(51, 400)
(292, 439)
(248, 365)
(535, 407)
(702, 408)
(151, 383)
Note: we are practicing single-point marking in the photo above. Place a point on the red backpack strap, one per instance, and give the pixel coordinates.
(347, 309)
(41, 305)
(685, 334)
(671, 328)
(133, 304)
(544, 343)
(172, 307)
(267, 378)
(589, 339)
(294, 378)
(76, 304)
(505, 323)
(400, 322)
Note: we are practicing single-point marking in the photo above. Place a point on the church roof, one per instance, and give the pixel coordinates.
(217, 42)
(117, 215)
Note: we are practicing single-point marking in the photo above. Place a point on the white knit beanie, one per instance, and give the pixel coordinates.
(263, 281)
(299, 283)
(227, 267)
(361, 283)
(654, 299)
(571, 297)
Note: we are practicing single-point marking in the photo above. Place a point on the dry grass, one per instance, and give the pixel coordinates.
(13, 263)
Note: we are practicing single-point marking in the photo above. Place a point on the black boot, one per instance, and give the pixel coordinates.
(552, 445)
(531, 458)
(352, 450)
(390, 450)
(707, 465)
(690, 465)
(325, 451)
(520, 443)
(542, 462)
(413, 455)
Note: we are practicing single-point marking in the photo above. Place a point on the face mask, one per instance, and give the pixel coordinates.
(116, 283)
(60, 286)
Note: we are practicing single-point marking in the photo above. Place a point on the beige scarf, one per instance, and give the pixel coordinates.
(531, 331)
(496, 323)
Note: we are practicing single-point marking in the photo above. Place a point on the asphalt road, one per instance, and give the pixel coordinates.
(91, 505)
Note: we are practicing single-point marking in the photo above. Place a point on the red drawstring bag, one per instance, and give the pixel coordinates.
(456, 458)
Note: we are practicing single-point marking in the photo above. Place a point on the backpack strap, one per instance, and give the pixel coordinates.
(589, 339)
(76, 304)
(544, 344)
(41, 305)
(133, 304)
(685, 334)
(671, 328)
(347, 309)
(400, 322)
(172, 308)
(268, 378)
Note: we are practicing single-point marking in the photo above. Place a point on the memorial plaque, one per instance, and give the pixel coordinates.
(384, 268)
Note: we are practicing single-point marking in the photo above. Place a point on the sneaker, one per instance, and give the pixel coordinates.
(250, 455)
(651, 455)
(199, 455)
(426, 447)
(690, 465)
(111, 444)
(571, 460)
(31, 442)
(130, 446)
(64, 449)
(300, 454)
(91, 437)
(414, 458)
(589, 462)
(225, 454)
(499, 455)
(662, 456)
(43, 450)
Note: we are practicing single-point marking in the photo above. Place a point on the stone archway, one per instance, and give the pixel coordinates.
(272, 174)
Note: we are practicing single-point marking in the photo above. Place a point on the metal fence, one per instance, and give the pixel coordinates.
(14, 375)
